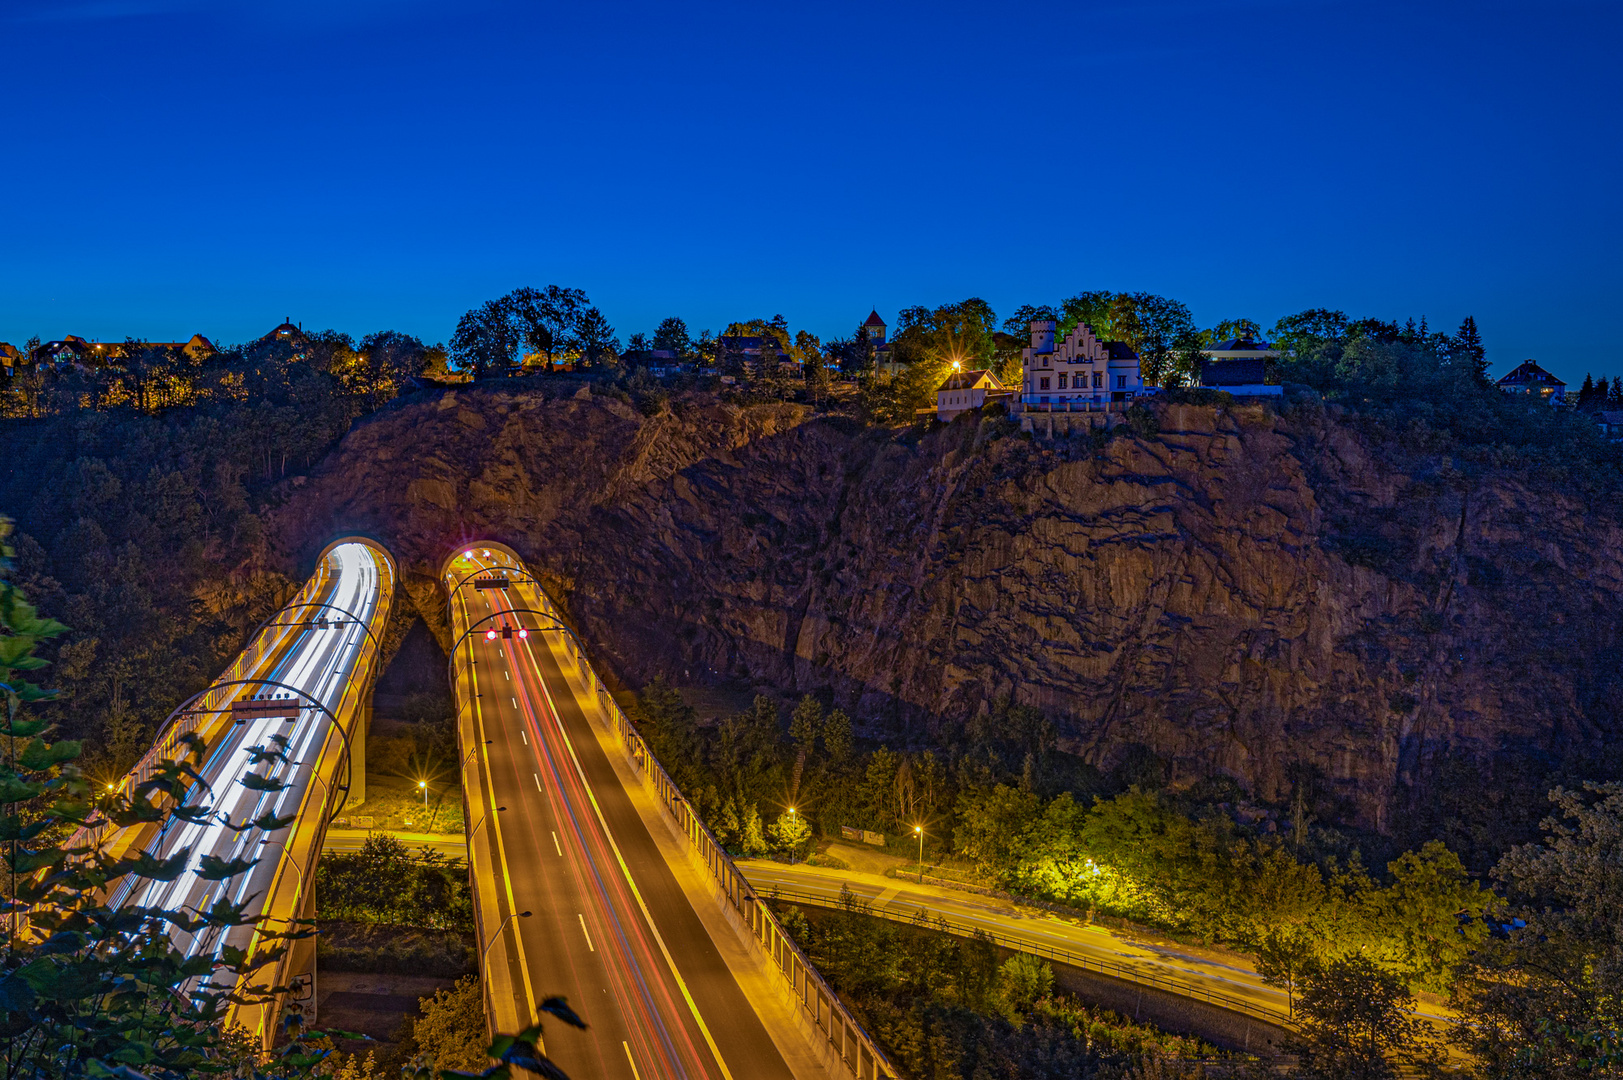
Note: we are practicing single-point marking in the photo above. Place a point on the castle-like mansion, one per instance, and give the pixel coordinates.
(1080, 371)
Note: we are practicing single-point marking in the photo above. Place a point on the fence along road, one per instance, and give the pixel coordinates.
(610, 926)
(322, 650)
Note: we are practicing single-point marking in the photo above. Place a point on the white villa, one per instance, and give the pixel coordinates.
(1081, 373)
(966, 390)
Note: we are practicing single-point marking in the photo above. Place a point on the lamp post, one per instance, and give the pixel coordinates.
(475, 830)
(791, 850)
(423, 786)
(498, 933)
(918, 830)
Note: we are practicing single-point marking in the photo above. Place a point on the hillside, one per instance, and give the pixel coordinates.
(1239, 592)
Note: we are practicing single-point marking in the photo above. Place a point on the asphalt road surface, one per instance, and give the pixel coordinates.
(610, 927)
(320, 663)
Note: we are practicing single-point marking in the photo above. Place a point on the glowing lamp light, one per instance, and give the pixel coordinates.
(490, 635)
(422, 783)
(523, 633)
(467, 554)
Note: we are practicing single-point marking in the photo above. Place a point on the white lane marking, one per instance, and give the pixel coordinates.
(589, 944)
(523, 736)
(506, 676)
(555, 845)
(515, 703)
(634, 1073)
(537, 781)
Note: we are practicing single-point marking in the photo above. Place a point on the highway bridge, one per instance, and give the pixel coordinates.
(590, 882)
(283, 732)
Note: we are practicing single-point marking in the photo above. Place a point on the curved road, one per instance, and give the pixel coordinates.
(610, 926)
(320, 663)
(1201, 971)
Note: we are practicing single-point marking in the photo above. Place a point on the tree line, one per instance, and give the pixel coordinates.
(1530, 953)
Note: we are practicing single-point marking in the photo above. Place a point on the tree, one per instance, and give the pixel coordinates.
(805, 724)
(1019, 324)
(1285, 955)
(1544, 996)
(790, 832)
(992, 826)
(837, 738)
(672, 335)
(548, 321)
(1431, 914)
(451, 1031)
(750, 838)
(485, 340)
(1023, 980)
(1468, 350)
(595, 339)
(1355, 1022)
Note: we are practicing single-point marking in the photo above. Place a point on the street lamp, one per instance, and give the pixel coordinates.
(423, 786)
(918, 831)
(498, 933)
(475, 830)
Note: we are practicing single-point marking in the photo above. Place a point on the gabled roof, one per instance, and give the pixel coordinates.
(1528, 373)
(1240, 345)
(1232, 372)
(874, 319)
(978, 379)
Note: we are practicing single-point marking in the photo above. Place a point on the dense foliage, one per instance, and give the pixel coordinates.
(385, 883)
(945, 1008)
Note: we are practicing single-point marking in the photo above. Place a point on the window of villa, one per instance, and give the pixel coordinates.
(1042, 384)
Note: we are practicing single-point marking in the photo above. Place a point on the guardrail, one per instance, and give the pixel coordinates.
(1115, 969)
(850, 1043)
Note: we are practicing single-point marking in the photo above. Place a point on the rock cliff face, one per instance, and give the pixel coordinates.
(1238, 592)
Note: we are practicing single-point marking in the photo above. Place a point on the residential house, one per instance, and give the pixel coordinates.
(1610, 422)
(72, 349)
(1528, 378)
(1240, 377)
(1080, 373)
(966, 390)
(11, 358)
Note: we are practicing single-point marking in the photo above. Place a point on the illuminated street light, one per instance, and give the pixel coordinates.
(423, 784)
(918, 830)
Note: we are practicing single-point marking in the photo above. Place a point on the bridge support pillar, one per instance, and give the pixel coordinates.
(357, 753)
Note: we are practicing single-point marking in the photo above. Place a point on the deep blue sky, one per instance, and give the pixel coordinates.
(174, 166)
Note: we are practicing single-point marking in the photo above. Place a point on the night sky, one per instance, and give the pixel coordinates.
(175, 167)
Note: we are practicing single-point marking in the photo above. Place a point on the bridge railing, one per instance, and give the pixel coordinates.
(851, 1045)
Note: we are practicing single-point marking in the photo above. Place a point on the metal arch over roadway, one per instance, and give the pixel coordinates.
(376, 644)
(558, 624)
(349, 767)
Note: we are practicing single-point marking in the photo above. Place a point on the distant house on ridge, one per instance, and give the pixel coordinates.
(1528, 378)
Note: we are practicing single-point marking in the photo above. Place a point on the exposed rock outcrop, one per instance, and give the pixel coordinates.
(1239, 592)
